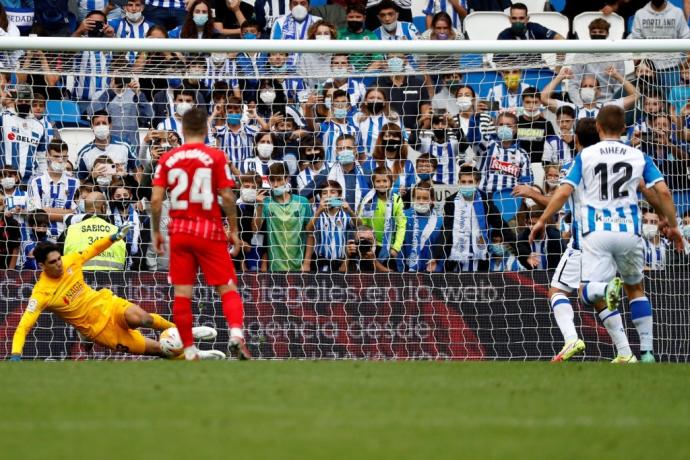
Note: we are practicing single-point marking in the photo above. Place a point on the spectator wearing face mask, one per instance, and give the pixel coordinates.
(120, 152)
(508, 93)
(392, 154)
(315, 63)
(290, 246)
(337, 124)
(422, 233)
(356, 30)
(38, 113)
(655, 246)
(559, 148)
(251, 249)
(295, 24)
(501, 256)
(532, 130)
(184, 100)
(354, 87)
(590, 94)
(408, 94)
(124, 209)
(221, 72)
(10, 236)
(360, 252)
(374, 113)
(198, 23)
(235, 137)
(332, 221)
(346, 171)
(54, 192)
(395, 21)
(522, 29)
(311, 163)
(15, 198)
(24, 139)
(132, 24)
(37, 230)
(451, 13)
(264, 144)
(443, 145)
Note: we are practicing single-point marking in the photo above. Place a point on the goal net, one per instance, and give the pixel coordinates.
(404, 231)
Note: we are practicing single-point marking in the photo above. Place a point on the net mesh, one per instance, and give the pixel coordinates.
(484, 298)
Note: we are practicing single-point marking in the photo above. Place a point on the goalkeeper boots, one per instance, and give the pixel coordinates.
(570, 349)
(612, 293)
(620, 359)
(647, 357)
(238, 349)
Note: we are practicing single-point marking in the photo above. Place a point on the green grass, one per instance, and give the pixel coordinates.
(348, 410)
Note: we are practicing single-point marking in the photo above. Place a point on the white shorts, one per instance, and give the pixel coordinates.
(604, 253)
(567, 275)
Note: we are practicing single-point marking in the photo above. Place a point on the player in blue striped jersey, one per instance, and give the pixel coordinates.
(23, 138)
(610, 173)
(332, 222)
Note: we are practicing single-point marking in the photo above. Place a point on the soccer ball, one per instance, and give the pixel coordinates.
(170, 341)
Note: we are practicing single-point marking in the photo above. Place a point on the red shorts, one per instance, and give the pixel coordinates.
(189, 252)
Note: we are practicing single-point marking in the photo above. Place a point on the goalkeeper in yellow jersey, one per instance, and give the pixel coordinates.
(99, 315)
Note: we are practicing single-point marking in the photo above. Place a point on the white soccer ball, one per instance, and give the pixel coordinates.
(170, 342)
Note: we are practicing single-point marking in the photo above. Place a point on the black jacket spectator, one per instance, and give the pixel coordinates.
(554, 245)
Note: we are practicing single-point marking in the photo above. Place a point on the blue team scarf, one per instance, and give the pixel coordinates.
(419, 251)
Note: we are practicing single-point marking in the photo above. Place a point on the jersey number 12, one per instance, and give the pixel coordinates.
(602, 170)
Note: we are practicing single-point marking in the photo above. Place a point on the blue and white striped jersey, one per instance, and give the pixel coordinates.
(287, 28)
(226, 72)
(238, 146)
(271, 9)
(505, 263)
(610, 173)
(90, 68)
(436, 6)
(505, 99)
(44, 193)
(91, 5)
(355, 89)
(176, 4)
(23, 140)
(125, 29)
(254, 164)
(171, 124)
(583, 112)
(655, 254)
(501, 168)
(329, 132)
(556, 150)
(331, 235)
(404, 31)
(370, 126)
(573, 206)
(119, 151)
(447, 155)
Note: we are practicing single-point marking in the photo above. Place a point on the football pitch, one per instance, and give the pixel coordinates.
(343, 410)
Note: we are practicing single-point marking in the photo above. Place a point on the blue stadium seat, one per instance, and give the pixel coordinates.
(537, 77)
(506, 204)
(558, 5)
(420, 23)
(482, 82)
(64, 113)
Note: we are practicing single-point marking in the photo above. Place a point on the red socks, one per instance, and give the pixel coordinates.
(182, 314)
(233, 309)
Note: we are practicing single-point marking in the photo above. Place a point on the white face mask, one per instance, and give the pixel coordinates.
(530, 203)
(264, 150)
(104, 181)
(218, 58)
(464, 103)
(422, 208)
(299, 12)
(101, 132)
(57, 166)
(182, 107)
(8, 182)
(81, 206)
(267, 97)
(323, 36)
(390, 28)
(133, 17)
(248, 195)
(531, 113)
(650, 231)
(552, 182)
(587, 95)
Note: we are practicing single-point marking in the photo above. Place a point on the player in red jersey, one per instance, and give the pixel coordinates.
(195, 176)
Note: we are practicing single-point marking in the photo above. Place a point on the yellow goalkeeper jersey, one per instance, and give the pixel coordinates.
(69, 297)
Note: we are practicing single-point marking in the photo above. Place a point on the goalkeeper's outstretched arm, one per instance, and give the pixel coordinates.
(29, 318)
(104, 243)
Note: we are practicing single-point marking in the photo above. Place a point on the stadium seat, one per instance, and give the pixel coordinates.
(534, 5)
(76, 138)
(552, 20)
(64, 113)
(420, 23)
(582, 20)
(558, 5)
(485, 25)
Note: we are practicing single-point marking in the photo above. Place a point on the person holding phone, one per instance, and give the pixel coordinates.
(333, 219)
(10, 236)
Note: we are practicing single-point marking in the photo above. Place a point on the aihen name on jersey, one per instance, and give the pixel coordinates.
(193, 154)
(613, 150)
(14, 136)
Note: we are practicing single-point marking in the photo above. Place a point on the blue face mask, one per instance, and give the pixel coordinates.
(395, 64)
(234, 119)
(497, 249)
(504, 133)
(335, 203)
(468, 191)
(346, 157)
(280, 191)
(249, 36)
(200, 19)
(340, 113)
(424, 176)
(174, 82)
(281, 69)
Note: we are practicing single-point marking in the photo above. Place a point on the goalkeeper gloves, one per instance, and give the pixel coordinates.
(15, 357)
(121, 231)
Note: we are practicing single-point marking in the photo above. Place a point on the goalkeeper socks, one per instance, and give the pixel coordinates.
(563, 312)
(641, 313)
(182, 314)
(233, 310)
(160, 323)
(593, 292)
(614, 326)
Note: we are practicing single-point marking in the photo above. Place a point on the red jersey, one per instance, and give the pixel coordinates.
(193, 174)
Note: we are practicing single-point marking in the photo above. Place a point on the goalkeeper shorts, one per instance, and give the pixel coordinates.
(117, 335)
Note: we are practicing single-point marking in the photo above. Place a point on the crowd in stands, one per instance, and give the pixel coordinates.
(343, 174)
